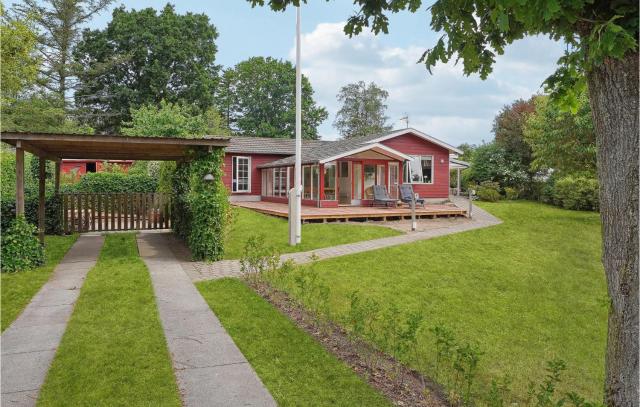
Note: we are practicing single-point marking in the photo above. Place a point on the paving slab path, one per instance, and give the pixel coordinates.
(427, 229)
(209, 367)
(30, 343)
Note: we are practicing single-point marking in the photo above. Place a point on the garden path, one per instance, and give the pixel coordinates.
(427, 229)
(209, 367)
(30, 343)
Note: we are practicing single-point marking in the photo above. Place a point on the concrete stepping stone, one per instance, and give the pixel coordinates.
(30, 343)
(209, 367)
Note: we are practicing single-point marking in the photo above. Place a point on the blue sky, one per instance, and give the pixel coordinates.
(446, 105)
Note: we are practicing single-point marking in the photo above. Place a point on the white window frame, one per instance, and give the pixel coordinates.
(407, 172)
(234, 170)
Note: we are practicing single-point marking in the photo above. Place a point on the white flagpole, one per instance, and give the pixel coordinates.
(295, 232)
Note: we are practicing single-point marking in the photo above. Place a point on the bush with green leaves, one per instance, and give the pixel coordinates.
(511, 193)
(201, 208)
(576, 192)
(489, 191)
(113, 182)
(21, 249)
(52, 212)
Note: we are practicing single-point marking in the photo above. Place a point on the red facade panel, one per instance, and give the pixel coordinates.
(414, 145)
(256, 175)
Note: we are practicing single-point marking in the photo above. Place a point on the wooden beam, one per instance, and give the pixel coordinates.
(37, 151)
(19, 180)
(41, 180)
(57, 177)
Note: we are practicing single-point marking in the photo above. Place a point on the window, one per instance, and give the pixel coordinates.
(315, 178)
(307, 185)
(419, 170)
(369, 180)
(380, 176)
(240, 174)
(357, 181)
(330, 181)
(280, 182)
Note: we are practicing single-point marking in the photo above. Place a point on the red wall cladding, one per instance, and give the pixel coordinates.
(414, 145)
(256, 176)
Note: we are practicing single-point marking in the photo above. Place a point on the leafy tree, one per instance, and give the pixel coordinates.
(602, 53)
(258, 98)
(467, 151)
(562, 141)
(491, 162)
(173, 120)
(508, 128)
(144, 57)
(58, 24)
(19, 68)
(363, 110)
(40, 113)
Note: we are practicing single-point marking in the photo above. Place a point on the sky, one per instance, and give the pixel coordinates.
(447, 104)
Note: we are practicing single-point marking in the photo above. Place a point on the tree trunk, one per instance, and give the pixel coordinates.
(613, 95)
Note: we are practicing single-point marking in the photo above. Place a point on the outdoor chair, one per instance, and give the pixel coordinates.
(406, 193)
(380, 196)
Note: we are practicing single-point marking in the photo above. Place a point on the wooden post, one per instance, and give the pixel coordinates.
(57, 178)
(19, 180)
(41, 179)
(414, 224)
(458, 181)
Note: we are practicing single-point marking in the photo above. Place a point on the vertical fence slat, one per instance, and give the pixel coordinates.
(93, 212)
(125, 207)
(65, 213)
(161, 210)
(85, 203)
(99, 210)
(72, 206)
(119, 206)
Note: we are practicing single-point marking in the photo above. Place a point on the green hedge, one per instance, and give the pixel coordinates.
(113, 182)
(21, 249)
(576, 192)
(200, 208)
(52, 214)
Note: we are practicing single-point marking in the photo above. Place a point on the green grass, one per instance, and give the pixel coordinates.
(113, 351)
(248, 223)
(527, 291)
(294, 367)
(18, 288)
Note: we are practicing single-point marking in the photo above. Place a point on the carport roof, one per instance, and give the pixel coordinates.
(56, 146)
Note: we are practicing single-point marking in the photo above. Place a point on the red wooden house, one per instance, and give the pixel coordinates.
(341, 172)
(81, 167)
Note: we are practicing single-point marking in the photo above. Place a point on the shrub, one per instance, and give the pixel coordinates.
(200, 212)
(21, 249)
(511, 193)
(52, 212)
(576, 192)
(113, 182)
(489, 191)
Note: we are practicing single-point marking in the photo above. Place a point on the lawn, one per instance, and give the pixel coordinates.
(113, 351)
(247, 223)
(294, 367)
(526, 291)
(18, 288)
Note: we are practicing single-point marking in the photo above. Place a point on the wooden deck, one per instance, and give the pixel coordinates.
(354, 213)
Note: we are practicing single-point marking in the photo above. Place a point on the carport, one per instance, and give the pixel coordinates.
(56, 146)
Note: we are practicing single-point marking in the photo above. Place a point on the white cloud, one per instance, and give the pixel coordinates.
(447, 104)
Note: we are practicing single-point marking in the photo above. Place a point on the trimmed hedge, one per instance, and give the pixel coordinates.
(52, 212)
(113, 182)
(21, 249)
(200, 208)
(576, 192)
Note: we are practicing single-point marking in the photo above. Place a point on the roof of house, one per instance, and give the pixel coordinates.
(266, 145)
(329, 150)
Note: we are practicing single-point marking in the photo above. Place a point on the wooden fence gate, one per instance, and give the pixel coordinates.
(89, 212)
